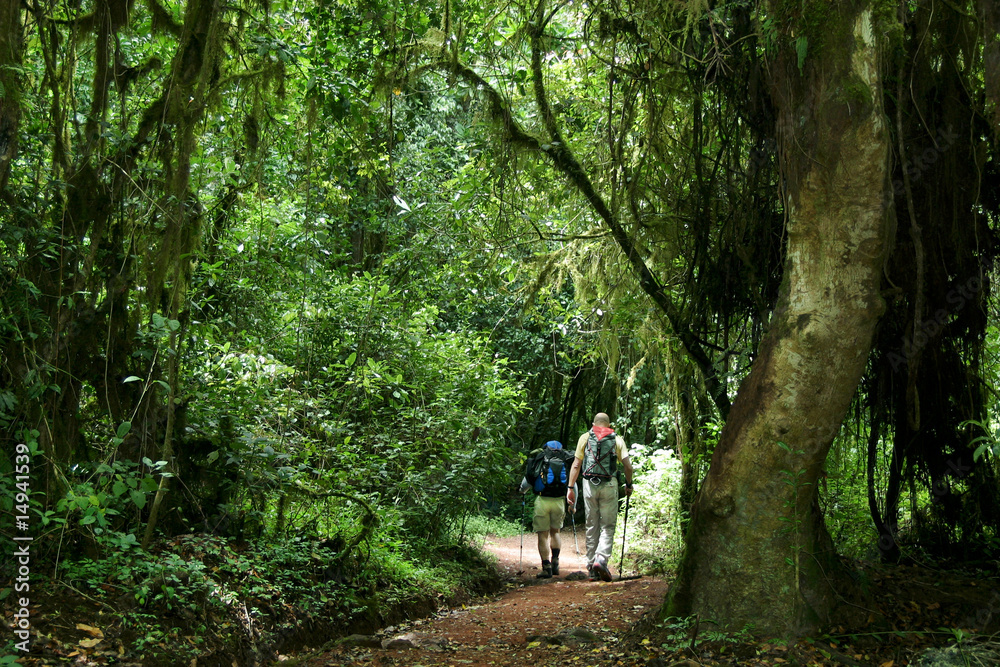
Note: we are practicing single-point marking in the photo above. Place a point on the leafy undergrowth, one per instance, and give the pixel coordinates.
(202, 600)
(199, 597)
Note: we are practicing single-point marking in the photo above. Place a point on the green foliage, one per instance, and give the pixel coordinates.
(847, 516)
(843, 496)
(384, 402)
(986, 444)
(677, 634)
(793, 518)
(654, 536)
(20, 495)
(481, 525)
(347, 307)
(104, 500)
(205, 586)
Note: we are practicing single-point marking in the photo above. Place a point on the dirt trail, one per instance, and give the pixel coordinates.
(502, 630)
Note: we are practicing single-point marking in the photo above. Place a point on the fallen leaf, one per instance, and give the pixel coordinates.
(90, 643)
(90, 630)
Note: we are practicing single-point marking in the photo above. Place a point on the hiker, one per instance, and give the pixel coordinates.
(546, 473)
(598, 453)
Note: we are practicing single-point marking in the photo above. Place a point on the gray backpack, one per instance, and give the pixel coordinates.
(599, 459)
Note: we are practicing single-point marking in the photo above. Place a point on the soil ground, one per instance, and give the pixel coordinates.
(913, 608)
(502, 630)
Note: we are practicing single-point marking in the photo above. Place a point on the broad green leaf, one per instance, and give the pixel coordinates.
(801, 47)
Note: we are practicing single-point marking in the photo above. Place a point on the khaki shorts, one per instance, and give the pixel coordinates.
(549, 514)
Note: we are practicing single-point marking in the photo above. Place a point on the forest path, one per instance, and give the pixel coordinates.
(502, 630)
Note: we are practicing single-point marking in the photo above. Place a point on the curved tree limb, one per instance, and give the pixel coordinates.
(567, 164)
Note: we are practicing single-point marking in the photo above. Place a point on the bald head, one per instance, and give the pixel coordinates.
(601, 419)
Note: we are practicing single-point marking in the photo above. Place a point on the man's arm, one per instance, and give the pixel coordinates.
(574, 473)
(627, 467)
(626, 462)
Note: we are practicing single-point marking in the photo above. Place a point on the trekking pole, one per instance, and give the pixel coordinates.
(520, 555)
(621, 564)
(572, 514)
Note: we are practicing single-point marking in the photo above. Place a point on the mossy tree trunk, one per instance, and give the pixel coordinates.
(757, 551)
(87, 256)
(10, 101)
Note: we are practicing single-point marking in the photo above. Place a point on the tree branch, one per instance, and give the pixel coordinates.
(564, 159)
(566, 163)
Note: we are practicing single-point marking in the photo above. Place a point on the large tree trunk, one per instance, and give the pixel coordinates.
(757, 551)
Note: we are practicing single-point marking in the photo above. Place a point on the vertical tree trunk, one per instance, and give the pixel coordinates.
(757, 551)
(10, 99)
(688, 443)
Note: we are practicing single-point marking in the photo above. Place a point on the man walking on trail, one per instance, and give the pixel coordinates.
(547, 472)
(598, 453)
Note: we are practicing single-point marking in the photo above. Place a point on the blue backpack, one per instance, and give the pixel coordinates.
(548, 471)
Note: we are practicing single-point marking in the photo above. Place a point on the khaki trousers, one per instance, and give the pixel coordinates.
(601, 504)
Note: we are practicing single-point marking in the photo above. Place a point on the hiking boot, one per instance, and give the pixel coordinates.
(555, 567)
(601, 570)
(546, 572)
(591, 574)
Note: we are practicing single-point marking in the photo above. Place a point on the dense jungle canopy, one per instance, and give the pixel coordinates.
(326, 271)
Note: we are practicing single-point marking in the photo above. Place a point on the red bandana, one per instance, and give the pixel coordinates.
(602, 431)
